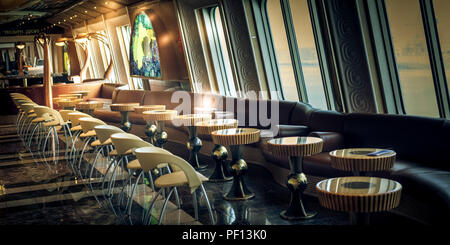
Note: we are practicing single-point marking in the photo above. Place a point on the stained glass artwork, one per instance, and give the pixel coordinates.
(144, 54)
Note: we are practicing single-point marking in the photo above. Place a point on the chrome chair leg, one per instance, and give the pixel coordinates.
(164, 206)
(148, 215)
(195, 202)
(209, 205)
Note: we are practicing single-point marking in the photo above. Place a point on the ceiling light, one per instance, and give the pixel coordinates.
(20, 45)
(82, 37)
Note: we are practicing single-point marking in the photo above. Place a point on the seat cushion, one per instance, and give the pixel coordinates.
(175, 179)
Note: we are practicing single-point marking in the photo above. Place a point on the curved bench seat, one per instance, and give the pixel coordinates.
(421, 144)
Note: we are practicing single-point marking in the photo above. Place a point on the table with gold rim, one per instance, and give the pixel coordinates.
(79, 94)
(68, 103)
(296, 148)
(357, 161)
(235, 138)
(124, 109)
(89, 106)
(150, 126)
(159, 117)
(359, 195)
(219, 153)
(194, 144)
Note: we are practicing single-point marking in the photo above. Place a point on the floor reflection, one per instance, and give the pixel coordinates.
(34, 193)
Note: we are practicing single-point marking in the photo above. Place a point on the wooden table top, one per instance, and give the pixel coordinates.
(207, 127)
(204, 110)
(69, 102)
(236, 136)
(82, 93)
(67, 95)
(89, 105)
(123, 106)
(190, 119)
(295, 146)
(223, 115)
(140, 109)
(356, 159)
(359, 194)
(57, 99)
(159, 115)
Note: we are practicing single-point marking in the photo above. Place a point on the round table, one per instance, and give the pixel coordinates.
(359, 195)
(194, 144)
(223, 115)
(89, 106)
(57, 99)
(296, 148)
(124, 109)
(159, 117)
(67, 95)
(357, 160)
(235, 138)
(204, 110)
(68, 104)
(81, 94)
(150, 127)
(219, 153)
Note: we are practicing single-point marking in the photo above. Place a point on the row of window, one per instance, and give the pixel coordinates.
(290, 46)
(286, 30)
(101, 54)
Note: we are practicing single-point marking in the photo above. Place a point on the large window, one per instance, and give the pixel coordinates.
(124, 35)
(281, 46)
(221, 64)
(442, 10)
(301, 45)
(413, 63)
(106, 56)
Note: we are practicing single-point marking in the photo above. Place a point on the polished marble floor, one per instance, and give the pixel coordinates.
(32, 192)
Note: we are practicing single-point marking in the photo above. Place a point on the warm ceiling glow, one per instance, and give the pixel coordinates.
(61, 41)
(82, 37)
(20, 45)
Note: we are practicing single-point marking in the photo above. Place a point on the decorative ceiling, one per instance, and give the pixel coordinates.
(22, 17)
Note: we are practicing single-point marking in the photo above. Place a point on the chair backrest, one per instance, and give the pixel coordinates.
(149, 158)
(144, 154)
(27, 107)
(65, 114)
(104, 132)
(20, 102)
(88, 123)
(124, 142)
(75, 116)
(55, 115)
(41, 111)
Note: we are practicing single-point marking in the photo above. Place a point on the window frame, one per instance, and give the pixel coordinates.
(387, 64)
(216, 51)
(269, 54)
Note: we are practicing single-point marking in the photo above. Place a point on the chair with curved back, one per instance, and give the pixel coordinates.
(76, 130)
(124, 144)
(184, 174)
(88, 136)
(103, 145)
(51, 128)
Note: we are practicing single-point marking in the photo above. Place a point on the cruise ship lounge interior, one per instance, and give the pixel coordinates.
(236, 114)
